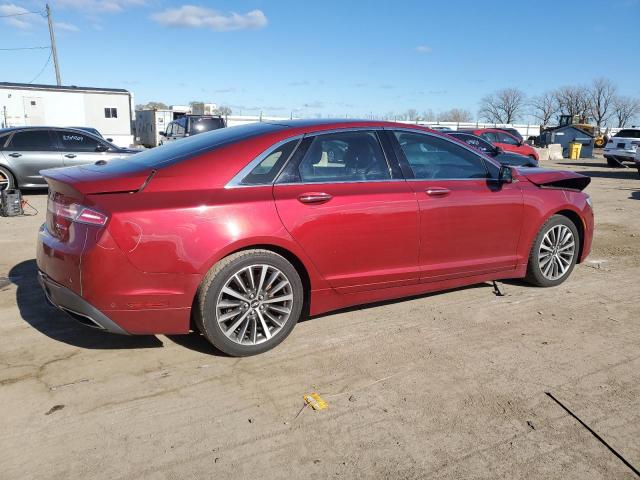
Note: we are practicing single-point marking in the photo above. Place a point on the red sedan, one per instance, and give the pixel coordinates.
(506, 141)
(241, 231)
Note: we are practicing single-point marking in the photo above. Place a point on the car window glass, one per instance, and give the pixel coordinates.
(344, 157)
(169, 130)
(199, 125)
(178, 127)
(475, 142)
(489, 137)
(31, 140)
(77, 142)
(265, 172)
(628, 134)
(506, 138)
(432, 157)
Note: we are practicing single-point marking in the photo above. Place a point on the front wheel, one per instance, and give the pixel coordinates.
(7, 182)
(249, 302)
(554, 252)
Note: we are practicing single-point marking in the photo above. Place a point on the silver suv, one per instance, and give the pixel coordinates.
(24, 151)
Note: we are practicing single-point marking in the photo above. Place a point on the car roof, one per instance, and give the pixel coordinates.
(42, 127)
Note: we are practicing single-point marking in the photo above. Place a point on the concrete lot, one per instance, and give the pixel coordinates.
(449, 385)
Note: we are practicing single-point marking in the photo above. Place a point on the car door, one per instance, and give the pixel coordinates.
(80, 148)
(469, 224)
(355, 217)
(29, 151)
(508, 142)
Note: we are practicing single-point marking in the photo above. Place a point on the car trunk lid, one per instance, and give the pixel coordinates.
(563, 179)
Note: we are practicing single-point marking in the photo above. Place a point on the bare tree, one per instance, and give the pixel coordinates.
(427, 116)
(458, 115)
(152, 106)
(411, 114)
(625, 109)
(544, 107)
(224, 110)
(573, 100)
(601, 95)
(504, 106)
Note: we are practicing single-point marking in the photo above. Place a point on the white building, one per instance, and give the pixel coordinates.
(109, 110)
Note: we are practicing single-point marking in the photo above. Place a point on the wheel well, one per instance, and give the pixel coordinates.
(577, 221)
(15, 179)
(293, 259)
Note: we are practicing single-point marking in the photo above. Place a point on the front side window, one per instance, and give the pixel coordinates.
(77, 142)
(31, 140)
(433, 157)
(110, 112)
(489, 137)
(507, 139)
(344, 157)
(265, 172)
(178, 127)
(475, 142)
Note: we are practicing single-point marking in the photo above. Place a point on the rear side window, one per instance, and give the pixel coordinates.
(432, 157)
(628, 134)
(77, 142)
(199, 125)
(489, 137)
(265, 172)
(31, 140)
(344, 157)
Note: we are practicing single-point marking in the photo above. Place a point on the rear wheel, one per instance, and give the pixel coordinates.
(249, 302)
(554, 253)
(7, 182)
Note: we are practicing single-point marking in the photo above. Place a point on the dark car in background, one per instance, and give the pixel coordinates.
(24, 151)
(505, 158)
(505, 140)
(191, 125)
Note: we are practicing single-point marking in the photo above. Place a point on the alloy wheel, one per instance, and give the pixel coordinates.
(556, 252)
(254, 304)
(5, 181)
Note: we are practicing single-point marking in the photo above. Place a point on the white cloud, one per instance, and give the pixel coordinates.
(69, 27)
(424, 49)
(199, 17)
(103, 6)
(21, 19)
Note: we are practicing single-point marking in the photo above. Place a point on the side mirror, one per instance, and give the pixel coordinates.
(162, 134)
(101, 148)
(505, 175)
(498, 150)
(520, 143)
(110, 140)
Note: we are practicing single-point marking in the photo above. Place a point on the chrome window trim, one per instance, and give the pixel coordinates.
(462, 144)
(236, 181)
(344, 182)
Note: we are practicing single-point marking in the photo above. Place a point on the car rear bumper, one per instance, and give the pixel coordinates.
(76, 307)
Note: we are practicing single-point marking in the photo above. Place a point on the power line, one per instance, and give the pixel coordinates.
(21, 13)
(45, 66)
(25, 48)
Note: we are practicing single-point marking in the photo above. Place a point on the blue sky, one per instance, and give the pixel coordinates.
(326, 57)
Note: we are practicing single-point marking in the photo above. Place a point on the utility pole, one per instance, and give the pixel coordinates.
(54, 51)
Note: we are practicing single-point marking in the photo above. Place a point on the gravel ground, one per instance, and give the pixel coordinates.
(449, 385)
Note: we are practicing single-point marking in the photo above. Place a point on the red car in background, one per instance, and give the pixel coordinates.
(506, 141)
(241, 231)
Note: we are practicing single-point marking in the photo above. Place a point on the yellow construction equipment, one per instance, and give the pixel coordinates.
(581, 123)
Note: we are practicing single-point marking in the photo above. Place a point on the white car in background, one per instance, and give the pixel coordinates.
(622, 147)
(638, 160)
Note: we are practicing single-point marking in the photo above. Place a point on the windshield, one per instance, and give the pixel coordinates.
(628, 133)
(188, 147)
(199, 125)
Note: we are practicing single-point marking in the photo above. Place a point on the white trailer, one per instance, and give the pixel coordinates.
(149, 123)
(109, 110)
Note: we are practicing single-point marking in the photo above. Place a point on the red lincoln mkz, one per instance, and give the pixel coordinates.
(244, 230)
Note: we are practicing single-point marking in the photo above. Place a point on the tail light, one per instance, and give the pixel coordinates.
(62, 212)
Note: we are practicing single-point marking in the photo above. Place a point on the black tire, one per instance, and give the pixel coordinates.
(535, 276)
(7, 180)
(613, 163)
(210, 290)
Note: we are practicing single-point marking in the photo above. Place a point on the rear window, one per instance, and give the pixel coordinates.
(628, 134)
(188, 147)
(199, 125)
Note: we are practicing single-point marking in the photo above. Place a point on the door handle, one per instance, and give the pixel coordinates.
(70, 155)
(438, 192)
(15, 155)
(314, 197)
